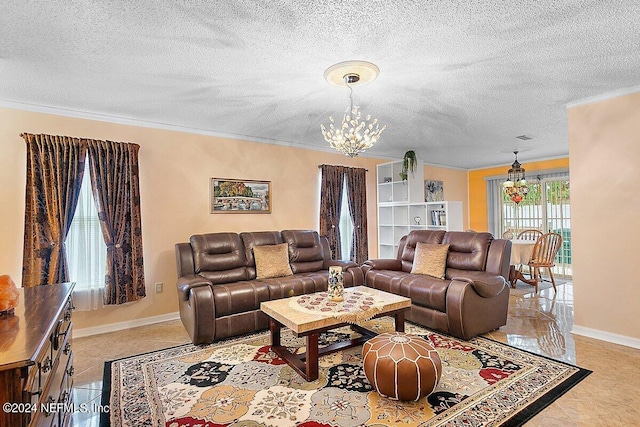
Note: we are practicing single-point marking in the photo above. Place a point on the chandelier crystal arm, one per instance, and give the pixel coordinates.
(352, 136)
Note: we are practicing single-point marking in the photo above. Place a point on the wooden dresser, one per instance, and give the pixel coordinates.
(36, 359)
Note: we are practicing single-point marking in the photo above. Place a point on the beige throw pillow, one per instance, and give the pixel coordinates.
(272, 261)
(430, 260)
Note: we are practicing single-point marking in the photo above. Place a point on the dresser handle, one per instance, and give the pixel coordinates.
(55, 338)
(67, 349)
(67, 315)
(47, 365)
(71, 371)
(65, 396)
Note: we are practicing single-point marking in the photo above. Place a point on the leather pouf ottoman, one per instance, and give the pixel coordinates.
(401, 366)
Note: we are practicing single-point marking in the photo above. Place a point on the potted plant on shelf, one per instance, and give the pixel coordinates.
(409, 162)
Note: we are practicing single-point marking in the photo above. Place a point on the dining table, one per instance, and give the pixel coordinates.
(521, 251)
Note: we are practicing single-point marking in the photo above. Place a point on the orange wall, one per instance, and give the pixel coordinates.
(175, 168)
(604, 142)
(478, 188)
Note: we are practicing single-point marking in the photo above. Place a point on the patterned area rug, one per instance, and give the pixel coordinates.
(240, 382)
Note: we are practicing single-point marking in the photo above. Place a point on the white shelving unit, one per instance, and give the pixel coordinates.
(401, 202)
(445, 216)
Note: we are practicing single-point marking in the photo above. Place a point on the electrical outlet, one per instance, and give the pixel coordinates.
(159, 286)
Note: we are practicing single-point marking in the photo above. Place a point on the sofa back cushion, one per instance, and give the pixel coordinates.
(305, 250)
(415, 237)
(219, 257)
(257, 238)
(467, 250)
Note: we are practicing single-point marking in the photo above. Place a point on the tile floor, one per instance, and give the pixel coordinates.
(537, 323)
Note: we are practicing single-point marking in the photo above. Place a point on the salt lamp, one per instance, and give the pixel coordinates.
(8, 295)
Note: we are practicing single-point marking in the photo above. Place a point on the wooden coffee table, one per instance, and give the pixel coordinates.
(309, 323)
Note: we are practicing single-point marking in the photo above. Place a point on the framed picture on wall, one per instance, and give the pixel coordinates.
(239, 196)
(433, 191)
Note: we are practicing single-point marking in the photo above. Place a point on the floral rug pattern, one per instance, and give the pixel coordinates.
(240, 382)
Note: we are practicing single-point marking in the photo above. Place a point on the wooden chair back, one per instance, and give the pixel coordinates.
(545, 250)
(530, 234)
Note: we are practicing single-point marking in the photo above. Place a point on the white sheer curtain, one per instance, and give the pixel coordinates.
(346, 225)
(86, 251)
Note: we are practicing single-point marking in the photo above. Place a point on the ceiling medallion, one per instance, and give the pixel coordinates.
(353, 135)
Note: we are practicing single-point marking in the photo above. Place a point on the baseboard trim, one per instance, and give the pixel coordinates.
(119, 326)
(606, 336)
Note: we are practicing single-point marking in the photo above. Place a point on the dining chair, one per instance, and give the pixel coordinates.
(543, 256)
(531, 234)
(507, 235)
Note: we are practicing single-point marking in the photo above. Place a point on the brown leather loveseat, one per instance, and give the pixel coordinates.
(473, 297)
(219, 295)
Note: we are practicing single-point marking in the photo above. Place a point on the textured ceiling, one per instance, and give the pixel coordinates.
(459, 80)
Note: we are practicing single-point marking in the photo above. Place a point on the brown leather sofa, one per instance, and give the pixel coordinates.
(472, 299)
(219, 295)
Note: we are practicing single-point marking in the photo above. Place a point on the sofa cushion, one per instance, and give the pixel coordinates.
(423, 290)
(423, 236)
(298, 284)
(305, 250)
(430, 260)
(467, 250)
(272, 261)
(238, 297)
(219, 257)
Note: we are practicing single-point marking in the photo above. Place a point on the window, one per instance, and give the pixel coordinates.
(346, 225)
(86, 250)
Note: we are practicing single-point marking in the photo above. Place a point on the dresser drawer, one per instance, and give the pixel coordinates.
(44, 363)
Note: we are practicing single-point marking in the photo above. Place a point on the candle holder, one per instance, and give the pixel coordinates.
(335, 288)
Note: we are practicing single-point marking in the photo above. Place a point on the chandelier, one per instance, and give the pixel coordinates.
(354, 135)
(516, 185)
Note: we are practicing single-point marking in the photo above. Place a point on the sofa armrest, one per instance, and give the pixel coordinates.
(469, 313)
(197, 308)
(486, 287)
(337, 263)
(188, 282)
(383, 264)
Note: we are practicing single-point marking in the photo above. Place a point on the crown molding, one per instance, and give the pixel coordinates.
(602, 97)
(163, 126)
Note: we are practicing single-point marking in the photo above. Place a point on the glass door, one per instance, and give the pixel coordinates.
(546, 208)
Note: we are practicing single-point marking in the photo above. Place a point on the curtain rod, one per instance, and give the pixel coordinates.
(319, 166)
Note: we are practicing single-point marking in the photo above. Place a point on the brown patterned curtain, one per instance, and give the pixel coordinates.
(55, 166)
(330, 203)
(114, 182)
(357, 197)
